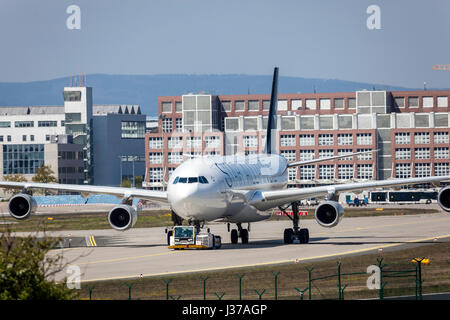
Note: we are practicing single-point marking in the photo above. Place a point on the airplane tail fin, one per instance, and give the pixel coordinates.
(271, 141)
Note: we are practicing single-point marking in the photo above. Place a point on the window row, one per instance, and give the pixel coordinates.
(421, 137)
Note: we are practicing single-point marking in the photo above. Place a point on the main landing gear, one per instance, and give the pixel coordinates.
(295, 234)
(239, 233)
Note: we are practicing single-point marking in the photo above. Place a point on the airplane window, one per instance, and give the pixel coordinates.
(182, 180)
(192, 180)
(203, 179)
(176, 180)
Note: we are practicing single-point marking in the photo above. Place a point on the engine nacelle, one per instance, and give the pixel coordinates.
(21, 206)
(122, 217)
(329, 213)
(444, 198)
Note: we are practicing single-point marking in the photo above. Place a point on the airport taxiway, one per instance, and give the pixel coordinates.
(109, 254)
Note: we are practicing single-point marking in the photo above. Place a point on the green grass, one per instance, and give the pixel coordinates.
(436, 278)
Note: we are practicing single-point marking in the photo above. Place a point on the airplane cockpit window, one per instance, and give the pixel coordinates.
(203, 179)
(193, 180)
(182, 180)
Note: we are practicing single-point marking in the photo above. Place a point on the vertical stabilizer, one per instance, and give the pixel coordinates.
(272, 118)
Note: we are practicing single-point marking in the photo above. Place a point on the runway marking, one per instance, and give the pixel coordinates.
(271, 262)
(126, 258)
(92, 241)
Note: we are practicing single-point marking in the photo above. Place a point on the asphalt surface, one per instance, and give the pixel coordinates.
(109, 254)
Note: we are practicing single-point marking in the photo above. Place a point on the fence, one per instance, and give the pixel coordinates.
(379, 275)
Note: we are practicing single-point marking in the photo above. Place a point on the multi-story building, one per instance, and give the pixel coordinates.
(410, 130)
(108, 139)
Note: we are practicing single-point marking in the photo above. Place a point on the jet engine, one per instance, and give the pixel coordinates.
(21, 206)
(122, 217)
(329, 213)
(444, 198)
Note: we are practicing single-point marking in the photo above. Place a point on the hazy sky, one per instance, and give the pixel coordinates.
(305, 38)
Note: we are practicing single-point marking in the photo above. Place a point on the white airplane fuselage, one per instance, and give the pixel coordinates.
(228, 178)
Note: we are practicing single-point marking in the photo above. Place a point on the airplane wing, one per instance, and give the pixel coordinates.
(160, 196)
(264, 200)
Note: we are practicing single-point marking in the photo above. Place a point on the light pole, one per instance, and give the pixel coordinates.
(162, 117)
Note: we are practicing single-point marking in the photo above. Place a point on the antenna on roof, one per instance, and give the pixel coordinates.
(70, 79)
(424, 86)
(85, 79)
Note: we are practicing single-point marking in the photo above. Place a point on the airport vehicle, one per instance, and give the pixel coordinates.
(404, 197)
(186, 237)
(234, 189)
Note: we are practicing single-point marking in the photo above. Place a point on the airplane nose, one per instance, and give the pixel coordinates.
(184, 201)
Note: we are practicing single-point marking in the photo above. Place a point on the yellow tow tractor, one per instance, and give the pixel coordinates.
(186, 237)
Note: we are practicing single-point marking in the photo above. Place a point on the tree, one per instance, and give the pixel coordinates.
(15, 178)
(26, 269)
(44, 175)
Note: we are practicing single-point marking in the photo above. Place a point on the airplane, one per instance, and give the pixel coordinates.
(233, 189)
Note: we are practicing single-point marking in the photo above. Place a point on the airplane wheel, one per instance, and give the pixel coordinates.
(169, 234)
(304, 236)
(244, 236)
(288, 235)
(234, 236)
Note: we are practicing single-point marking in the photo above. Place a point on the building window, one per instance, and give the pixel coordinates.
(307, 172)
(421, 137)
(22, 158)
(282, 105)
(231, 124)
(403, 170)
(366, 156)
(5, 124)
(8, 138)
(296, 104)
(310, 104)
(325, 104)
(422, 153)
(399, 102)
(178, 124)
(307, 140)
(226, 106)
(422, 170)
(239, 106)
(402, 138)
(326, 172)
(345, 139)
(345, 171)
(306, 155)
(413, 102)
(155, 143)
(266, 104)
(155, 175)
(441, 137)
(167, 125)
(47, 123)
(253, 105)
(24, 137)
(212, 142)
(287, 140)
(325, 153)
(155, 157)
(441, 153)
(342, 152)
(339, 103)
(364, 139)
(1, 138)
(166, 107)
(178, 108)
(441, 169)
(402, 153)
(326, 140)
(175, 157)
(133, 129)
(292, 174)
(175, 143)
(427, 102)
(23, 124)
(442, 102)
(250, 141)
(194, 142)
(289, 155)
(352, 103)
(364, 171)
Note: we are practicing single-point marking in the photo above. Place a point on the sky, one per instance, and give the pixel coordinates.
(327, 39)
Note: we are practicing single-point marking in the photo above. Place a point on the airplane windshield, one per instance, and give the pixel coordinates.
(200, 179)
